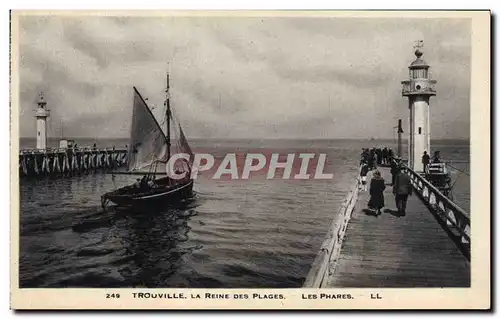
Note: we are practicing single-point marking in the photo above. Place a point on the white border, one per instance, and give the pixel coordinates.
(127, 4)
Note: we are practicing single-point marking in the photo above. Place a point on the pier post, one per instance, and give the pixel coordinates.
(35, 164)
(400, 143)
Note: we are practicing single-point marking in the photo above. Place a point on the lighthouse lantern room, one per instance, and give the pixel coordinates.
(419, 88)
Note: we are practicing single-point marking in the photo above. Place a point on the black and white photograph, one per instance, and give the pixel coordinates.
(232, 151)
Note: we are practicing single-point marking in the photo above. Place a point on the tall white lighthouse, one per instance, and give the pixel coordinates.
(419, 88)
(41, 123)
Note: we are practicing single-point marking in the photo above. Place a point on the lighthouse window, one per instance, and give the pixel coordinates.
(38, 133)
(419, 73)
(419, 130)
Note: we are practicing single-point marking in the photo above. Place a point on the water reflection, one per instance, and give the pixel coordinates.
(154, 244)
(148, 245)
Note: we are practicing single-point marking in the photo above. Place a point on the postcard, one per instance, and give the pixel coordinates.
(250, 160)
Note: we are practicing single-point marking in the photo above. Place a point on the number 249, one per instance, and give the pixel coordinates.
(112, 295)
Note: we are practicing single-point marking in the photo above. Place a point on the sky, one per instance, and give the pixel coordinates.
(241, 77)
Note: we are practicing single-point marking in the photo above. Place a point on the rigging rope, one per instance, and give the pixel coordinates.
(458, 169)
(458, 177)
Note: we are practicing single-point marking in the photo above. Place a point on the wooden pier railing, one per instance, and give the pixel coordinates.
(454, 219)
(68, 162)
(325, 261)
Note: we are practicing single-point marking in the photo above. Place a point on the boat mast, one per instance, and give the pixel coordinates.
(167, 104)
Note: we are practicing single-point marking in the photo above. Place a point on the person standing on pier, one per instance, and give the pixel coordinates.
(362, 174)
(364, 157)
(369, 159)
(437, 157)
(378, 151)
(372, 160)
(401, 189)
(377, 186)
(385, 156)
(426, 159)
(390, 154)
(394, 171)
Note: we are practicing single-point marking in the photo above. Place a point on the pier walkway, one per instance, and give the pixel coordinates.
(415, 250)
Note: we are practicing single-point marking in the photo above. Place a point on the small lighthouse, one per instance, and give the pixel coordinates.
(419, 88)
(41, 123)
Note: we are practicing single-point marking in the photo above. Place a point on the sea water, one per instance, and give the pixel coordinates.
(253, 233)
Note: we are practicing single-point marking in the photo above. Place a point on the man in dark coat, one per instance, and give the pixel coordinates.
(426, 159)
(371, 159)
(364, 156)
(402, 189)
(378, 151)
(390, 154)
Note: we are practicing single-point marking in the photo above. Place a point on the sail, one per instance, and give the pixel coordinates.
(180, 145)
(184, 145)
(147, 141)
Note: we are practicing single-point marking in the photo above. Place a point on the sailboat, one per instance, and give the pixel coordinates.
(149, 147)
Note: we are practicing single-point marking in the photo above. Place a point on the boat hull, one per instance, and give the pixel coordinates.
(157, 198)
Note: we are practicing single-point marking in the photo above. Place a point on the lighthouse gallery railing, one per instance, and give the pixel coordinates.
(410, 87)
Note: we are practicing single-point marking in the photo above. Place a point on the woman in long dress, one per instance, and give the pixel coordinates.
(377, 186)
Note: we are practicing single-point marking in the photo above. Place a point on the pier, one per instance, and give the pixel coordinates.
(67, 159)
(58, 162)
(428, 247)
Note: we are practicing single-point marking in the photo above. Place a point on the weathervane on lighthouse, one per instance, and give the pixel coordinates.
(41, 123)
(418, 44)
(419, 88)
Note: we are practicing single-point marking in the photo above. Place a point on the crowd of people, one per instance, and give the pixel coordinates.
(400, 183)
(374, 157)
(401, 186)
